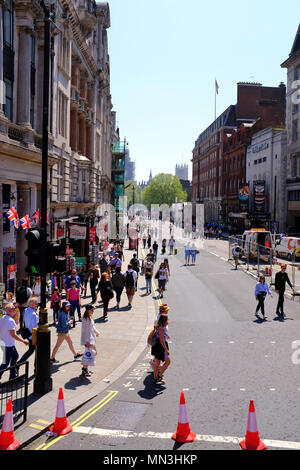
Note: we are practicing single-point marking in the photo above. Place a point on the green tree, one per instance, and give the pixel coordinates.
(164, 189)
(133, 190)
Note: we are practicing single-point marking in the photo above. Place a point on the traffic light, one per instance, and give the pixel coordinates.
(36, 243)
(55, 262)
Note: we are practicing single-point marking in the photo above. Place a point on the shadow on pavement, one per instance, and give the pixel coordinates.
(151, 390)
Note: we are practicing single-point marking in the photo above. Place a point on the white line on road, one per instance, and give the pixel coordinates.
(116, 433)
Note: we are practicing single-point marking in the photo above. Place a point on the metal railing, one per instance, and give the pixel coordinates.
(17, 390)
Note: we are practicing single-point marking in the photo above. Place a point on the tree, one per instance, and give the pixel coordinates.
(164, 189)
(133, 190)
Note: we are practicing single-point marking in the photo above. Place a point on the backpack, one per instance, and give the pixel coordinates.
(129, 280)
(151, 340)
(21, 295)
(136, 265)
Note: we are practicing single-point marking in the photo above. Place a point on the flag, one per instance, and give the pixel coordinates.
(13, 217)
(25, 223)
(47, 219)
(36, 217)
(217, 87)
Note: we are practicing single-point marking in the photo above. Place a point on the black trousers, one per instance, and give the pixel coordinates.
(28, 353)
(93, 286)
(261, 305)
(279, 309)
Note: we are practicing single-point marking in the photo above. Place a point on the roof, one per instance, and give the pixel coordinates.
(295, 49)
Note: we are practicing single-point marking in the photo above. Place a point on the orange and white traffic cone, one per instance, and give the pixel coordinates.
(61, 426)
(7, 440)
(183, 433)
(252, 440)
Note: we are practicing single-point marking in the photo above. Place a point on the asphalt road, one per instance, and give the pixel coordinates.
(221, 357)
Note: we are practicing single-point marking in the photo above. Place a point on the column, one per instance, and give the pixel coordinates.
(2, 89)
(74, 130)
(82, 136)
(24, 76)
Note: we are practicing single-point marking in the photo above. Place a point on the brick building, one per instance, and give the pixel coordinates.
(262, 106)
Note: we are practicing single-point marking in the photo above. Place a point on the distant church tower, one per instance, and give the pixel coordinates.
(150, 177)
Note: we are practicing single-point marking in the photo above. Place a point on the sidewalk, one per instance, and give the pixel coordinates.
(122, 339)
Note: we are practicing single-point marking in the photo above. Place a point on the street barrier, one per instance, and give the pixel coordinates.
(183, 432)
(17, 390)
(252, 440)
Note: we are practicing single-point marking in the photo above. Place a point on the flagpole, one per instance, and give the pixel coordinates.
(215, 99)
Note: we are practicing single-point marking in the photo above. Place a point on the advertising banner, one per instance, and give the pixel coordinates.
(244, 194)
(92, 234)
(59, 231)
(78, 232)
(259, 196)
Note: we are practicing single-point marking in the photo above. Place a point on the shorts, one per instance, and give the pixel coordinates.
(64, 335)
(130, 290)
(162, 284)
(236, 257)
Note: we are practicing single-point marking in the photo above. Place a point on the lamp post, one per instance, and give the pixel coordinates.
(43, 380)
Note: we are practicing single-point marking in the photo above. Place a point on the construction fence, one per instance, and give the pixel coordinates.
(261, 259)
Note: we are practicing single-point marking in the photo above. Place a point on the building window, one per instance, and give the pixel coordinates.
(64, 56)
(295, 131)
(62, 113)
(8, 24)
(7, 108)
(294, 196)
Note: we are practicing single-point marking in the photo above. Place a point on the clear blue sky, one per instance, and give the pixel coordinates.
(165, 56)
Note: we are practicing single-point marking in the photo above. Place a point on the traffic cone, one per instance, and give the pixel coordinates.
(7, 440)
(183, 433)
(252, 440)
(60, 426)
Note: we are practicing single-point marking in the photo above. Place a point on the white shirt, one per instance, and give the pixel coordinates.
(7, 323)
(133, 272)
(37, 291)
(31, 319)
(88, 331)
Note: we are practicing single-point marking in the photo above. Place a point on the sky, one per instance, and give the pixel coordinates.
(165, 57)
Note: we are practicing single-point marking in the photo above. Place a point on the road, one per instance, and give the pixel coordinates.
(221, 357)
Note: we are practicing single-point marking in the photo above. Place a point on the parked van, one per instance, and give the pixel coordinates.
(287, 246)
(257, 238)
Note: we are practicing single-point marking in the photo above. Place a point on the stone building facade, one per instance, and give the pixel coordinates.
(292, 64)
(80, 119)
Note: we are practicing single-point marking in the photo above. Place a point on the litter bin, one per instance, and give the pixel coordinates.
(132, 243)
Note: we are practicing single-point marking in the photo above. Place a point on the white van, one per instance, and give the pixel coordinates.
(287, 246)
(257, 238)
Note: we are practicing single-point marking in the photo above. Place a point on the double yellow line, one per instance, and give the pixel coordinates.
(82, 418)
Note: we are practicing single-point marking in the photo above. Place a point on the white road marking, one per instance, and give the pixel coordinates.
(116, 433)
(214, 389)
(214, 254)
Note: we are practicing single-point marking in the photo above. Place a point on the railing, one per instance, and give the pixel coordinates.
(17, 390)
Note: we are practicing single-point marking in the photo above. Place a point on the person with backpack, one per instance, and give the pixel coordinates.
(155, 250)
(118, 283)
(136, 267)
(236, 250)
(23, 294)
(130, 283)
(162, 276)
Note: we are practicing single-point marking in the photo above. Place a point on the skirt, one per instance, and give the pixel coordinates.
(158, 351)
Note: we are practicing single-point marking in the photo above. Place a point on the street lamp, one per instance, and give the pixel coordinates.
(43, 380)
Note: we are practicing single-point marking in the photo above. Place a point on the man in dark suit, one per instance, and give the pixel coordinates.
(280, 279)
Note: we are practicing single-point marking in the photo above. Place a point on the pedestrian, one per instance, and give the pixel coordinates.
(73, 296)
(72, 277)
(88, 339)
(163, 246)
(193, 253)
(152, 256)
(144, 240)
(36, 290)
(171, 244)
(149, 241)
(261, 291)
(31, 320)
(84, 276)
(136, 267)
(166, 263)
(155, 250)
(118, 283)
(93, 278)
(281, 278)
(63, 333)
(23, 294)
(55, 304)
(148, 270)
(187, 253)
(130, 283)
(8, 339)
(236, 254)
(162, 276)
(160, 349)
(103, 262)
(115, 262)
(106, 291)
(121, 253)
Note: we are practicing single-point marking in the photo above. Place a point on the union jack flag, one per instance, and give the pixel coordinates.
(36, 217)
(13, 217)
(26, 223)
